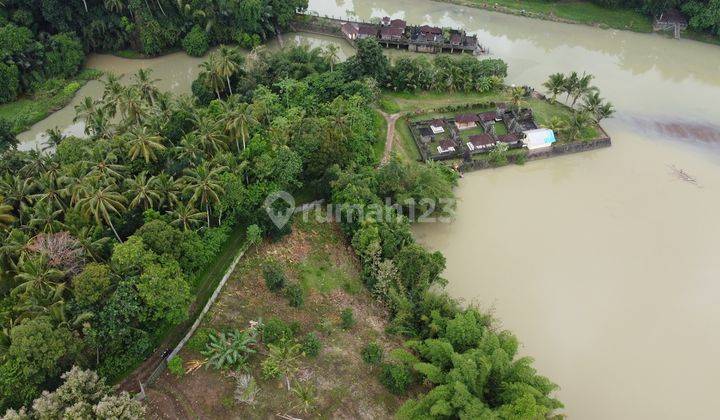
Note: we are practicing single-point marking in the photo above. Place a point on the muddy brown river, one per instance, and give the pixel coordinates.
(604, 263)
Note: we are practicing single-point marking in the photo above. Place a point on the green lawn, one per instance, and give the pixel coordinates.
(53, 95)
(464, 134)
(404, 144)
(572, 11)
(543, 110)
(500, 128)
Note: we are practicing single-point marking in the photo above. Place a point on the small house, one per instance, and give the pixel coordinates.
(541, 138)
(385, 21)
(391, 34)
(437, 126)
(398, 23)
(487, 119)
(350, 30)
(466, 121)
(511, 139)
(367, 31)
(431, 33)
(456, 40)
(446, 146)
(480, 142)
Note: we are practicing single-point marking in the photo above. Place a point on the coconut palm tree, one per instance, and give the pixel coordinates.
(204, 186)
(581, 88)
(555, 85)
(591, 102)
(331, 55)
(46, 218)
(571, 83)
(102, 165)
(578, 122)
(189, 150)
(186, 217)
(112, 93)
(517, 94)
(558, 125)
(18, 192)
(116, 6)
(238, 118)
(35, 276)
(92, 247)
(6, 217)
(141, 191)
(228, 63)
(166, 187)
(132, 106)
(101, 202)
(210, 74)
(85, 109)
(144, 144)
(209, 134)
(605, 110)
(145, 84)
(50, 192)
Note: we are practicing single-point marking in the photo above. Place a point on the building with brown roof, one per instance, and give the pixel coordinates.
(466, 121)
(510, 139)
(446, 146)
(350, 30)
(480, 142)
(367, 31)
(391, 34)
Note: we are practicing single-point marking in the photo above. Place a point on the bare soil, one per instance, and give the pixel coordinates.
(345, 386)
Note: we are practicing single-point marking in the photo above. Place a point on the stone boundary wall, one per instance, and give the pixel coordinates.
(559, 150)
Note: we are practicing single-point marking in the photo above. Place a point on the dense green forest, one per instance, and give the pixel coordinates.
(42, 40)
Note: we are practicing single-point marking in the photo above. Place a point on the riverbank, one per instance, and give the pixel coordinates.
(52, 96)
(577, 12)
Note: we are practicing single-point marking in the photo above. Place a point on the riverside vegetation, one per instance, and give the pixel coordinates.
(43, 43)
(635, 15)
(104, 240)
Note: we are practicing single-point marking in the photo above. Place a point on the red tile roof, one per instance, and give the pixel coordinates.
(466, 118)
(447, 143)
(391, 32)
(398, 23)
(481, 140)
(430, 29)
(488, 116)
(509, 138)
(368, 30)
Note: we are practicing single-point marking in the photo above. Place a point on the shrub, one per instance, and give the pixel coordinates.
(246, 389)
(372, 353)
(71, 88)
(347, 319)
(274, 275)
(247, 41)
(199, 340)
(311, 345)
(294, 295)
(229, 350)
(7, 138)
(175, 366)
(396, 378)
(276, 330)
(65, 56)
(9, 82)
(196, 42)
(90, 285)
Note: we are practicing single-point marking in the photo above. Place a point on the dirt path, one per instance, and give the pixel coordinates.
(391, 119)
